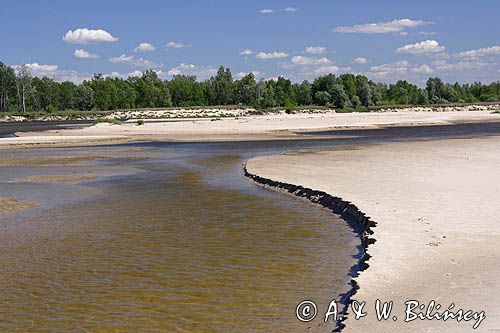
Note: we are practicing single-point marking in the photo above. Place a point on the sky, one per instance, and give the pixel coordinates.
(299, 39)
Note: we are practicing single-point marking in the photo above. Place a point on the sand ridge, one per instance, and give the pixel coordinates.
(437, 233)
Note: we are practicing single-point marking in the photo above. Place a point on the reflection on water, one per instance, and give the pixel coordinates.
(184, 245)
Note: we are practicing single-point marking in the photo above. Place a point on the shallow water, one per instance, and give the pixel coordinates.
(171, 237)
(179, 243)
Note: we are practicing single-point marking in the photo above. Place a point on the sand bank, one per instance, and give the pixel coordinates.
(437, 234)
(11, 205)
(245, 128)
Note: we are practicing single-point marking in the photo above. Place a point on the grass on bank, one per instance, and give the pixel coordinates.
(109, 121)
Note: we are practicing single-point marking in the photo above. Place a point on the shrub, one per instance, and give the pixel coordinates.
(51, 109)
(110, 121)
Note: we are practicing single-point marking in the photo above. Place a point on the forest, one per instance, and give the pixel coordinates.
(21, 92)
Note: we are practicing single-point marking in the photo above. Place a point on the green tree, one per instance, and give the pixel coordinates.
(46, 92)
(67, 95)
(303, 92)
(339, 97)
(84, 98)
(435, 89)
(7, 87)
(246, 90)
(151, 92)
(365, 94)
(222, 85)
(185, 91)
(323, 98)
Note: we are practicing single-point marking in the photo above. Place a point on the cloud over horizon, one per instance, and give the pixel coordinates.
(133, 61)
(382, 27)
(88, 36)
(271, 55)
(81, 53)
(145, 47)
(485, 51)
(423, 47)
(177, 45)
(315, 50)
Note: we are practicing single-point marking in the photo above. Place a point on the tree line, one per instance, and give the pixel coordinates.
(21, 92)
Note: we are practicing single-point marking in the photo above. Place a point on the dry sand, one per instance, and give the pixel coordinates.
(438, 233)
(243, 128)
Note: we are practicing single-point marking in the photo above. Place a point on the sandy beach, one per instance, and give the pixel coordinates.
(266, 127)
(437, 234)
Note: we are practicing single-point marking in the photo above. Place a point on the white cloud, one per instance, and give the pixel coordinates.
(266, 11)
(290, 9)
(36, 69)
(426, 33)
(323, 70)
(122, 59)
(315, 50)
(403, 33)
(177, 45)
(136, 73)
(382, 27)
(271, 55)
(133, 61)
(360, 60)
(423, 47)
(423, 69)
(255, 73)
(71, 75)
(54, 72)
(308, 68)
(395, 69)
(443, 65)
(81, 53)
(443, 55)
(246, 52)
(201, 72)
(485, 51)
(88, 36)
(145, 47)
(308, 61)
(467, 70)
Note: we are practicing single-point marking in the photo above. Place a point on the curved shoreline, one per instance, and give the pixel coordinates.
(361, 224)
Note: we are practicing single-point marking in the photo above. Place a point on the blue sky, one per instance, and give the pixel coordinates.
(385, 40)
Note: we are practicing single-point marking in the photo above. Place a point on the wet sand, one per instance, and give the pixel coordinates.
(11, 205)
(436, 205)
(53, 178)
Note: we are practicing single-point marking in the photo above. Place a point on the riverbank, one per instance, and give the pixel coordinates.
(437, 228)
(268, 127)
(228, 111)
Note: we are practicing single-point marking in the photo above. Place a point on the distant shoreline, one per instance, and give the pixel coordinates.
(231, 111)
(278, 126)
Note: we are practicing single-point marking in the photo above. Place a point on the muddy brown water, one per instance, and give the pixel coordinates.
(178, 242)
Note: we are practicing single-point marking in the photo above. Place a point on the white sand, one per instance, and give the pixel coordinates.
(247, 128)
(438, 233)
